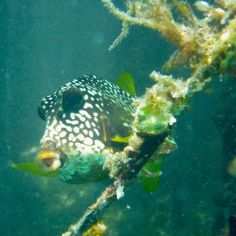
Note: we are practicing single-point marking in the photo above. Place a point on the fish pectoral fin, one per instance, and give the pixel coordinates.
(32, 168)
(119, 139)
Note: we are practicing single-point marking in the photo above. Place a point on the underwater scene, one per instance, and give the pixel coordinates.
(118, 118)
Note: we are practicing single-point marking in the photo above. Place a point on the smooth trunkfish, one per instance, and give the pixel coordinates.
(82, 117)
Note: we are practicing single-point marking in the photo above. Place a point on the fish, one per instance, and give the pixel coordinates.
(82, 118)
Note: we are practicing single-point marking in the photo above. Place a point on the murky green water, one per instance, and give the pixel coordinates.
(44, 44)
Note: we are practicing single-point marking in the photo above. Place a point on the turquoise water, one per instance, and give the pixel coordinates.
(44, 44)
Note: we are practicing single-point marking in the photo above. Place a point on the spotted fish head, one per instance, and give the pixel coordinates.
(81, 117)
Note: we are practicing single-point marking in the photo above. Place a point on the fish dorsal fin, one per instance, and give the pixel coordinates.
(126, 82)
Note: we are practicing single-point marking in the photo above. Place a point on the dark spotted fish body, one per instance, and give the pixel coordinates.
(82, 117)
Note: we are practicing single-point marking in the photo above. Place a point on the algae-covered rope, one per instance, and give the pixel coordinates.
(138, 157)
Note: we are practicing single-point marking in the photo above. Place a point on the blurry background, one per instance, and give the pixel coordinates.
(44, 44)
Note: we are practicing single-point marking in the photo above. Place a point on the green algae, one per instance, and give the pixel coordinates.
(83, 168)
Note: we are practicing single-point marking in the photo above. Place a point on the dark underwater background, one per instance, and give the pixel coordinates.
(44, 44)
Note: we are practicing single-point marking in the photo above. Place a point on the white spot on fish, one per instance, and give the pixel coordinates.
(62, 134)
(83, 89)
(90, 134)
(96, 131)
(81, 137)
(85, 131)
(91, 92)
(99, 144)
(71, 144)
(72, 116)
(74, 122)
(96, 105)
(76, 129)
(68, 128)
(63, 141)
(88, 105)
(85, 113)
(81, 118)
(71, 137)
(77, 144)
(87, 124)
(88, 141)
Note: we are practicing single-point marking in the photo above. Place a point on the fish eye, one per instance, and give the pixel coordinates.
(72, 101)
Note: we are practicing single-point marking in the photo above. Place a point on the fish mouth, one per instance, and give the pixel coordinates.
(49, 160)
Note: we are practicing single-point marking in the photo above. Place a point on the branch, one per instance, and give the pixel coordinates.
(138, 157)
(126, 17)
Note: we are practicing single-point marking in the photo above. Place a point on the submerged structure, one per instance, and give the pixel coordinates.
(205, 37)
